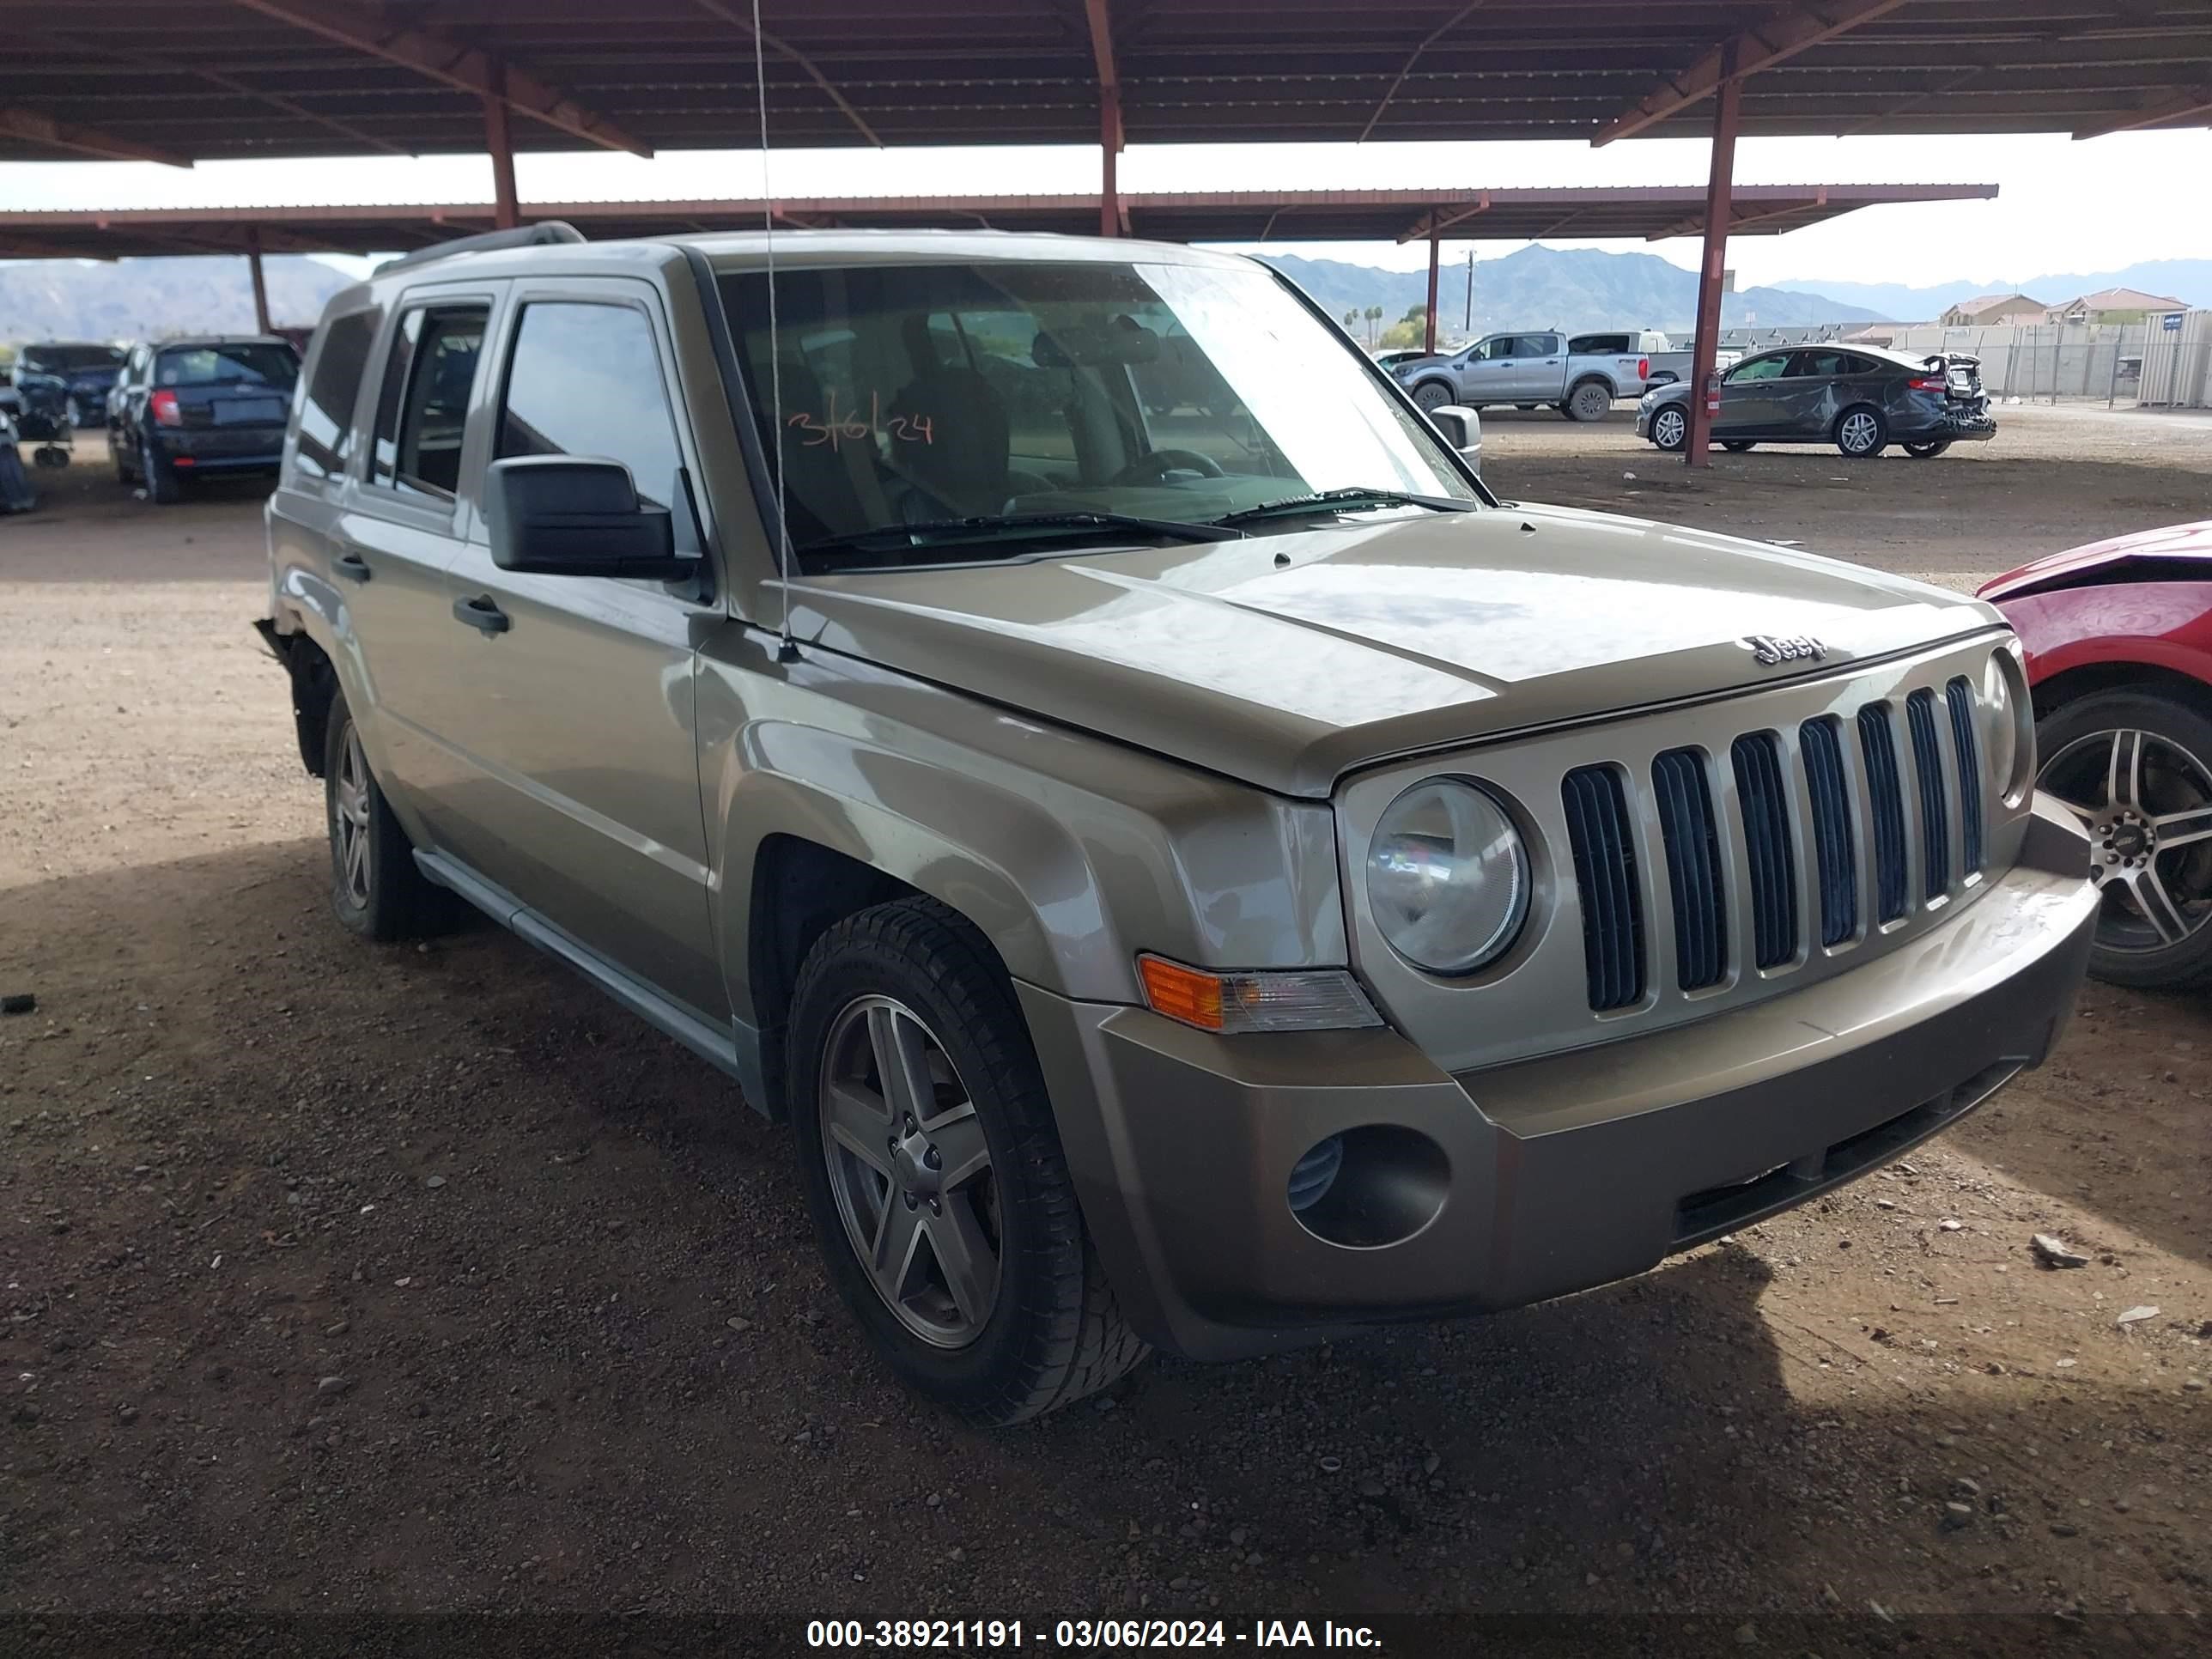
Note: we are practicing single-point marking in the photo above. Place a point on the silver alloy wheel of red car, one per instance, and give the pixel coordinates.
(910, 1171)
(2147, 803)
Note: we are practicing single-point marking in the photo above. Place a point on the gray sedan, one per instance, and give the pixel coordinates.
(1861, 398)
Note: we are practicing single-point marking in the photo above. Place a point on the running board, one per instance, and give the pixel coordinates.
(734, 1050)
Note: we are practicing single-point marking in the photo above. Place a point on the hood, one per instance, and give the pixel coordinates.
(2151, 555)
(1286, 660)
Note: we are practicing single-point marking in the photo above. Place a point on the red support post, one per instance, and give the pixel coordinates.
(1110, 140)
(1429, 341)
(505, 206)
(1727, 100)
(260, 282)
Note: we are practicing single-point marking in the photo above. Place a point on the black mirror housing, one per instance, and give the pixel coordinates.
(561, 515)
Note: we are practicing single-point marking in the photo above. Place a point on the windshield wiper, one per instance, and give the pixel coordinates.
(937, 533)
(1338, 501)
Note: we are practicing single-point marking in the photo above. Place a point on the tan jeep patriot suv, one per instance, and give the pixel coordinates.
(1193, 869)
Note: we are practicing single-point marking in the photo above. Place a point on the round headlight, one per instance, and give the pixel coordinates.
(1446, 876)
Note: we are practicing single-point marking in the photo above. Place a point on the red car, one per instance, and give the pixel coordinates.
(2118, 637)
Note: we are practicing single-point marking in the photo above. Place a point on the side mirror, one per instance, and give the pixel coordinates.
(560, 516)
(1462, 428)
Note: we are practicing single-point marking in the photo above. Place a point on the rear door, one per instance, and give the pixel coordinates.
(577, 725)
(1820, 380)
(399, 525)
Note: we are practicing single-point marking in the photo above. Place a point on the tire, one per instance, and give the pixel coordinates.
(1051, 1331)
(1588, 401)
(1670, 427)
(387, 897)
(2173, 776)
(1861, 432)
(1928, 452)
(1737, 445)
(163, 488)
(115, 455)
(1433, 394)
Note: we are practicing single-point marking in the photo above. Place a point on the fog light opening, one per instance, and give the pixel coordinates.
(1370, 1187)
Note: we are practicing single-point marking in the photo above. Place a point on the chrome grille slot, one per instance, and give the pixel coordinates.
(1935, 812)
(1961, 696)
(1878, 745)
(1602, 838)
(1764, 799)
(1832, 841)
(1693, 867)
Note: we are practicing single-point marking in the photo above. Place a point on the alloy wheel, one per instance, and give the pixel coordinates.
(1667, 428)
(2147, 804)
(1860, 429)
(352, 823)
(910, 1170)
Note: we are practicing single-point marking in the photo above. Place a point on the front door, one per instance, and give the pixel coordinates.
(1486, 373)
(1750, 401)
(580, 722)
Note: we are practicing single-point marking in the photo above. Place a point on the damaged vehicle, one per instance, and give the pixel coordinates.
(2118, 637)
(1214, 880)
(1860, 398)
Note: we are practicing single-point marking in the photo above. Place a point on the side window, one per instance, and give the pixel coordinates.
(1759, 368)
(584, 380)
(326, 416)
(1598, 345)
(1806, 364)
(422, 407)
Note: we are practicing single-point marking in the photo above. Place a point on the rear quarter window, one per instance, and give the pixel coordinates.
(1599, 345)
(326, 438)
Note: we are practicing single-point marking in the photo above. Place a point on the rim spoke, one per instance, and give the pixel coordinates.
(963, 1255)
(356, 862)
(859, 1123)
(2080, 810)
(898, 1235)
(2123, 769)
(2179, 829)
(2158, 906)
(901, 1062)
(958, 1138)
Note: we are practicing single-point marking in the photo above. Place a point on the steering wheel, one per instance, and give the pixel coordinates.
(1154, 467)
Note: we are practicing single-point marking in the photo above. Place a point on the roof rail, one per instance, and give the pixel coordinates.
(542, 234)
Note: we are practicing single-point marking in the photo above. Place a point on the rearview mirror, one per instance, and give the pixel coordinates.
(1124, 342)
(560, 516)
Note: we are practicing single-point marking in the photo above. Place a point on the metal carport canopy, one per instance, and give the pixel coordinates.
(233, 79)
(1647, 212)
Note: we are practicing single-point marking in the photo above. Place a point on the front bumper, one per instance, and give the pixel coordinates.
(1547, 1175)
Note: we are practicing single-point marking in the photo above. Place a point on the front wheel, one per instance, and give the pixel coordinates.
(1433, 394)
(1861, 432)
(2135, 767)
(941, 1195)
(1670, 427)
(1928, 452)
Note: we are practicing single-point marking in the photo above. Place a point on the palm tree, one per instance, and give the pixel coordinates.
(1350, 320)
(1374, 316)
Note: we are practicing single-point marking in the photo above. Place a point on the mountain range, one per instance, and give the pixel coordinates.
(1540, 287)
(141, 299)
(2189, 281)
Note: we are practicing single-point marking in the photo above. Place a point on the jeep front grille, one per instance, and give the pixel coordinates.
(1734, 840)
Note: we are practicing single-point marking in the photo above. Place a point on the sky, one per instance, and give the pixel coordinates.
(2062, 207)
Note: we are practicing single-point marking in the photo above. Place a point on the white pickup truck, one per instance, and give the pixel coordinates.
(1580, 375)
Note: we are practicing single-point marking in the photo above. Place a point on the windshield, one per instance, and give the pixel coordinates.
(252, 362)
(927, 394)
(60, 359)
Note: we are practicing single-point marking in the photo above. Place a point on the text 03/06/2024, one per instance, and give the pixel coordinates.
(1084, 1635)
(838, 428)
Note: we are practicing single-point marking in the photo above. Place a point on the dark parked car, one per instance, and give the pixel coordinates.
(2119, 660)
(1860, 398)
(64, 384)
(187, 408)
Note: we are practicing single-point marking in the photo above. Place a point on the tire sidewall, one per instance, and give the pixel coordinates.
(2189, 963)
(1574, 396)
(865, 967)
(1425, 400)
(1681, 434)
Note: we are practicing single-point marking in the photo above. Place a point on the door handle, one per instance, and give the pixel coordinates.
(352, 567)
(482, 614)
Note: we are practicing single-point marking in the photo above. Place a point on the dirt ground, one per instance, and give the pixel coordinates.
(372, 1282)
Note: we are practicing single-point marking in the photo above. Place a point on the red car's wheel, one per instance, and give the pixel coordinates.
(2136, 766)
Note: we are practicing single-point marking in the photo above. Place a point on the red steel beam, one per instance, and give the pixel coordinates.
(1113, 218)
(1727, 111)
(454, 63)
(1429, 339)
(260, 282)
(1436, 220)
(2183, 103)
(1789, 32)
(783, 49)
(84, 141)
(1743, 221)
(499, 141)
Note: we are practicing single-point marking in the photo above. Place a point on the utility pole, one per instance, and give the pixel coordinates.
(1467, 324)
